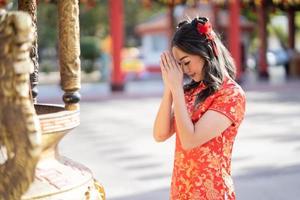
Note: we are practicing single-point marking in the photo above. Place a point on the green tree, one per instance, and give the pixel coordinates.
(135, 13)
(94, 21)
(47, 25)
(90, 51)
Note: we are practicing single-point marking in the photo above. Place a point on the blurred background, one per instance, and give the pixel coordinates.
(121, 41)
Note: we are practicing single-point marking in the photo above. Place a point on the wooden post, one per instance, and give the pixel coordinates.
(171, 23)
(30, 6)
(116, 29)
(262, 30)
(69, 51)
(290, 66)
(234, 36)
(291, 19)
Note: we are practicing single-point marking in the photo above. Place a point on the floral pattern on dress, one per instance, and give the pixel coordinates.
(204, 172)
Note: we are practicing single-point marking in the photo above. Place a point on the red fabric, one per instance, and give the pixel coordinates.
(204, 172)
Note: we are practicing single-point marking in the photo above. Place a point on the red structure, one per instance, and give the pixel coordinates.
(262, 24)
(116, 29)
(234, 36)
(234, 32)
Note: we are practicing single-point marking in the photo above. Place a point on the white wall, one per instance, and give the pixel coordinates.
(152, 46)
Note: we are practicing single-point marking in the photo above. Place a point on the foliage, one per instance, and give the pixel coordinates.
(135, 13)
(47, 25)
(249, 13)
(297, 20)
(280, 34)
(89, 47)
(94, 21)
(90, 51)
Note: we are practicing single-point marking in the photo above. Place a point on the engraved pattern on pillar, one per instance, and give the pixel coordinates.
(69, 48)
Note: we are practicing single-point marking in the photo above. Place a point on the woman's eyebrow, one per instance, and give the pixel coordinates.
(183, 58)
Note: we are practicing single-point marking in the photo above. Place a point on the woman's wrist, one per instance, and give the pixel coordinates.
(177, 93)
(167, 95)
(167, 91)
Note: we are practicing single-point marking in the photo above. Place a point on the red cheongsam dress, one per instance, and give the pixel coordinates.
(204, 172)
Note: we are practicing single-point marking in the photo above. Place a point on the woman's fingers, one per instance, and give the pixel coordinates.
(164, 61)
(173, 63)
(168, 60)
(161, 64)
(169, 63)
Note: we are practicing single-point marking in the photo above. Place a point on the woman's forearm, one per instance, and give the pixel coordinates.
(185, 126)
(163, 127)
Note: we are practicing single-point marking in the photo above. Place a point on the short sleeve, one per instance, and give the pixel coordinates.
(230, 102)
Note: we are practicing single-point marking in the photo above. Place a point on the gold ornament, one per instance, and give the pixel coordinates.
(20, 135)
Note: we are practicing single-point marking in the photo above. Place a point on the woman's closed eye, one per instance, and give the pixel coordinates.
(184, 63)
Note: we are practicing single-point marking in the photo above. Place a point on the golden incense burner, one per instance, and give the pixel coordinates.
(30, 164)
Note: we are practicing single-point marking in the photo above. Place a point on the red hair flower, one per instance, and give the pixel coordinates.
(205, 29)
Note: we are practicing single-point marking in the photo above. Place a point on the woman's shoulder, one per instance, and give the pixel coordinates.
(229, 100)
(230, 86)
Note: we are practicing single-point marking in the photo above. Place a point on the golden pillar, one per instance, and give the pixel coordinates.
(234, 33)
(69, 51)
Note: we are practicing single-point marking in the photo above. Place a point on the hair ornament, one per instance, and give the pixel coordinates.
(204, 27)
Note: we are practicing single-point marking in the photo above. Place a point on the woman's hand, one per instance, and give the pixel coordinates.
(172, 73)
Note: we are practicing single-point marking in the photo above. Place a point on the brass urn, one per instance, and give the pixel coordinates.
(30, 164)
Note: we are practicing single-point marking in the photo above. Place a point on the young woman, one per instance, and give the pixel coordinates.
(204, 114)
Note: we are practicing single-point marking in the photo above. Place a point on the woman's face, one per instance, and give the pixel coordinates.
(192, 65)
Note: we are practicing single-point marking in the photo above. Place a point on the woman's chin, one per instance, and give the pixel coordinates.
(193, 77)
(196, 79)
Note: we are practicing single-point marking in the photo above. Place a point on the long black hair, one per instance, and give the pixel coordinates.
(206, 44)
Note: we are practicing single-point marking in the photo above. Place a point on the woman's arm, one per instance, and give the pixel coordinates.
(163, 125)
(210, 125)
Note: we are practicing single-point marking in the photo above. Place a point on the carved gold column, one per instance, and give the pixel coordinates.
(30, 7)
(69, 51)
(19, 127)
